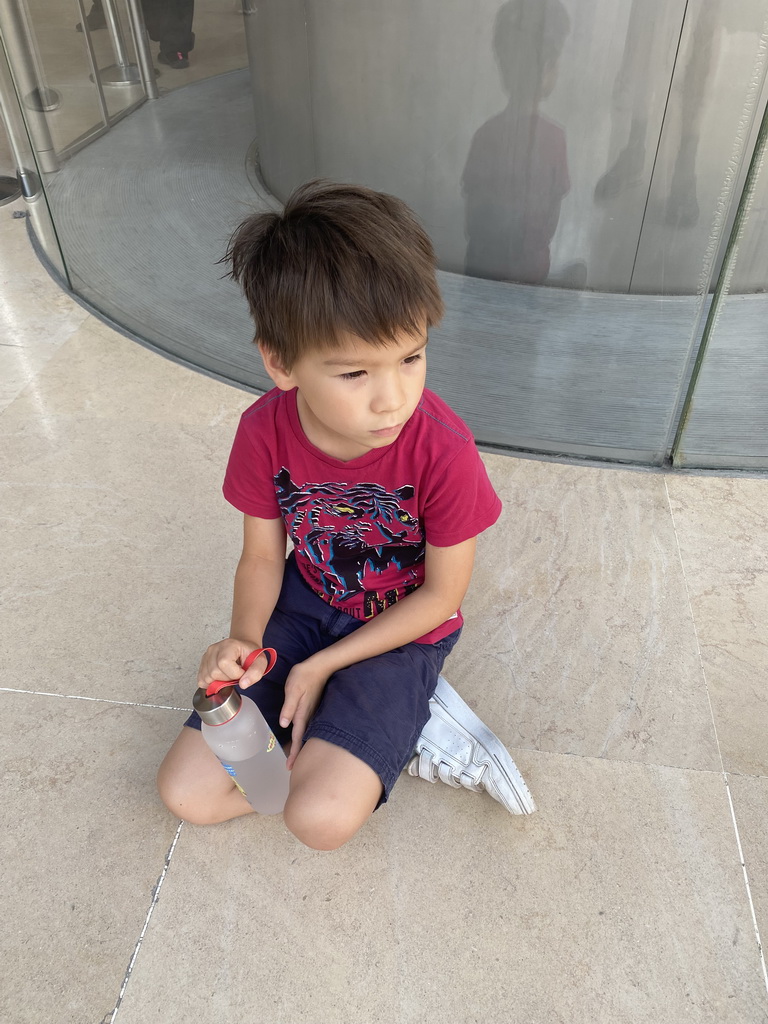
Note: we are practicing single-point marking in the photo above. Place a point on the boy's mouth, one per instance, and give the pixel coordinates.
(388, 431)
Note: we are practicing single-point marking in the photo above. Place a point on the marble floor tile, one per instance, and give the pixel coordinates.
(621, 901)
(125, 635)
(125, 382)
(112, 488)
(750, 800)
(119, 555)
(36, 316)
(722, 526)
(83, 842)
(20, 366)
(584, 637)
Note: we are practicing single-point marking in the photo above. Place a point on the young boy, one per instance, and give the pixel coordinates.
(382, 492)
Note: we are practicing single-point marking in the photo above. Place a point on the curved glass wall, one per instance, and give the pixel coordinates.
(725, 420)
(579, 166)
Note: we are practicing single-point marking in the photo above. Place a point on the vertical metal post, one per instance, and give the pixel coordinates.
(28, 75)
(143, 53)
(26, 170)
(115, 31)
(95, 76)
(122, 72)
(23, 160)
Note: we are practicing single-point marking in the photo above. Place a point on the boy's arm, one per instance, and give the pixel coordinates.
(447, 572)
(258, 579)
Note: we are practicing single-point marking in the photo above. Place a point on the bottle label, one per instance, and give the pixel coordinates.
(231, 771)
(271, 744)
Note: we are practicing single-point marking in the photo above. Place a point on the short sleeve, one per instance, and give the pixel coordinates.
(461, 500)
(248, 482)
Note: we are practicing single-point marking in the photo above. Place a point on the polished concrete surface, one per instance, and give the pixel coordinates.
(614, 641)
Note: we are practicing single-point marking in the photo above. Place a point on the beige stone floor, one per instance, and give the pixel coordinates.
(615, 641)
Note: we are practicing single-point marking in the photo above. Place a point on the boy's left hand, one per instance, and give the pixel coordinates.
(303, 689)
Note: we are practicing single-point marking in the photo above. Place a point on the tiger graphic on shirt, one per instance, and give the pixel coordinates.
(352, 538)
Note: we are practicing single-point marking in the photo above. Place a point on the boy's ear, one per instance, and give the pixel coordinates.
(272, 364)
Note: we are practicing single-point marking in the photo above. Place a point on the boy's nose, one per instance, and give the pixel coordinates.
(389, 397)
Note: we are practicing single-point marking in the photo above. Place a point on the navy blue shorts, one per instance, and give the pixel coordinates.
(375, 709)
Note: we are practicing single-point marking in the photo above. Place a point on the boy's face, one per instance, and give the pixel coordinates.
(357, 396)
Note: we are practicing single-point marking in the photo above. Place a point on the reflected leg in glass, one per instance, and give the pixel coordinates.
(629, 105)
(175, 60)
(516, 173)
(169, 23)
(626, 170)
(683, 205)
(94, 19)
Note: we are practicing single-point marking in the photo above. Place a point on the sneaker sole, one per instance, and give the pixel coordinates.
(446, 697)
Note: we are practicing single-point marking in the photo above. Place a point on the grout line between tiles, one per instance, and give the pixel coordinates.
(531, 750)
(101, 700)
(153, 904)
(717, 742)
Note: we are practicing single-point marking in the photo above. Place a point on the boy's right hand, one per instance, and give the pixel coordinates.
(224, 660)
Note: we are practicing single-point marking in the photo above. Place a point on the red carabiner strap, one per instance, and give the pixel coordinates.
(219, 684)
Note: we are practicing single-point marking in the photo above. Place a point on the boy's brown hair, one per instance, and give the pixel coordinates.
(339, 258)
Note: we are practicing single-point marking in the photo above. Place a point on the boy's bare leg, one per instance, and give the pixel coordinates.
(193, 785)
(333, 793)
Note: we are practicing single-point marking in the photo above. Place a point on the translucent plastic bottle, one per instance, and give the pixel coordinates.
(238, 734)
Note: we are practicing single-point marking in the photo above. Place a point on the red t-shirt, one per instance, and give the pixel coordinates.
(359, 528)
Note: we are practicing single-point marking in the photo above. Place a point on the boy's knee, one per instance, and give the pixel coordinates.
(182, 800)
(321, 824)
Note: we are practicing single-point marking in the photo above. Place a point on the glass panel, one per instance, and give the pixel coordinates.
(727, 423)
(212, 28)
(25, 164)
(64, 68)
(549, 144)
(115, 52)
(9, 182)
(575, 161)
(510, 114)
(143, 212)
(7, 163)
(707, 135)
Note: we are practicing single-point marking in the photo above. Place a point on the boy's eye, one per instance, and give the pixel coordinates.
(357, 374)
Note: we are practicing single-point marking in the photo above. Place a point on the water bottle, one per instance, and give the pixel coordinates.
(238, 734)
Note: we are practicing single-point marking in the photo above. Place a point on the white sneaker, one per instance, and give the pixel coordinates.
(457, 748)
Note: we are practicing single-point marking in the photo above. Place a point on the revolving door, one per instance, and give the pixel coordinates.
(583, 168)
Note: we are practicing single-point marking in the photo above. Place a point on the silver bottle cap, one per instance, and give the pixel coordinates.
(219, 708)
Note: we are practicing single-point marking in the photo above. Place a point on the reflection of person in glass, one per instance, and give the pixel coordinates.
(631, 93)
(168, 22)
(517, 171)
